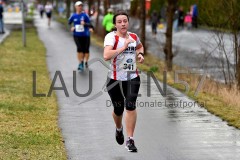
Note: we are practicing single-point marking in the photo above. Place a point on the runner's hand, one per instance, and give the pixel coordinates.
(72, 29)
(91, 30)
(126, 43)
(140, 58)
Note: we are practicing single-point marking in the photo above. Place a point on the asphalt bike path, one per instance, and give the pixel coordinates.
(170, 128)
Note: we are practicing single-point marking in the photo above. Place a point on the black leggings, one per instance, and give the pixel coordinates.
(129, 90)
(154, 28)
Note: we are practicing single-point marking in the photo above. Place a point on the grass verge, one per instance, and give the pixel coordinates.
(217, 98)
(28, 125)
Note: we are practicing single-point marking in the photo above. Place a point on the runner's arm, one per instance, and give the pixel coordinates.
(139, 48)
(110, 53)
(140, 53)
(89, 25)
(70, 21)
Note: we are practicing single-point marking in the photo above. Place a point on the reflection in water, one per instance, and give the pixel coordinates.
(119, 158)
(170, 103)
(173, 114)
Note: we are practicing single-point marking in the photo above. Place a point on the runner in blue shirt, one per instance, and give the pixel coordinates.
(81, 32)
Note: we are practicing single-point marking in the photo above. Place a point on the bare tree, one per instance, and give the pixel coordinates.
(168, 45)
(143, 23)
(226, 24)
(98, 13)
(90, 3)
(106, 6)
(234, 27)
(68, 8)
(238, 68)
(57, 5)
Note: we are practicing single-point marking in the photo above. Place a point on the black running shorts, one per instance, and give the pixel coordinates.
(49, 14)
(82, 43)
(130, 90)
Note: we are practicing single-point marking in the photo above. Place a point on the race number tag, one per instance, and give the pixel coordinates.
(128, 63)
(79, 28)
(128, 58)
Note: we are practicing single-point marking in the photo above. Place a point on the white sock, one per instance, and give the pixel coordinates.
(119, 129)
(130, 138)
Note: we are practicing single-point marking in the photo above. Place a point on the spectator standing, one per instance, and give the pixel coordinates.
(195, 16)
(188, 20)
(154, 22)
(180, 18)
(1, 18)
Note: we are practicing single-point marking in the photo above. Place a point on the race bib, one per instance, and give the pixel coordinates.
(128, 64)
(79, 28)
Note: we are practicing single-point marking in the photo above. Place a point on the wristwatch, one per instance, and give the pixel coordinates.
(141, 53)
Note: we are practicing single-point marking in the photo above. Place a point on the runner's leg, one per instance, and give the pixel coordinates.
(86, 50)
(131, 89)
(117, 101)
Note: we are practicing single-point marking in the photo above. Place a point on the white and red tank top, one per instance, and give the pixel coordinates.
(123, 66)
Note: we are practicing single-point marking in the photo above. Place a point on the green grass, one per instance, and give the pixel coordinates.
(212, 101)
(63, 21)
(28, 124)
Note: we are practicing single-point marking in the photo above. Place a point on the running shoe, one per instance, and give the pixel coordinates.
(86, 64)
(80, 67)
(130, 146)
(119, 137)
